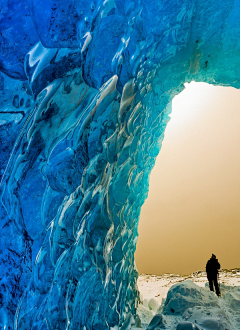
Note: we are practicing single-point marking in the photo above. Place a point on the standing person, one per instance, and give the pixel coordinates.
(212, 268)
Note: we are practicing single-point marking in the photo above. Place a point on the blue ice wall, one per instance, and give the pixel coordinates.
(85, 96)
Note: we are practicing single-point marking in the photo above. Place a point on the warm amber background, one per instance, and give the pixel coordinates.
(193, 207)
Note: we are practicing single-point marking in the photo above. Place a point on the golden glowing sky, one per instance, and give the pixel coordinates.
(193, 206)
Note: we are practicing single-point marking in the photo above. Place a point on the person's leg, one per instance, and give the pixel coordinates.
(216, 286)
(210, 284)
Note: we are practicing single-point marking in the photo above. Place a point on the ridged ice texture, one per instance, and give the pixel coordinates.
(86, 90)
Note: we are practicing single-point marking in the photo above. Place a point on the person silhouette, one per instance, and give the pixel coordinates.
(212, 268)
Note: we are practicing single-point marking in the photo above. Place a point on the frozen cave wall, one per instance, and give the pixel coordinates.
(86, 90)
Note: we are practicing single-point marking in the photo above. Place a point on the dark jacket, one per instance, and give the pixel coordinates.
(212, 267)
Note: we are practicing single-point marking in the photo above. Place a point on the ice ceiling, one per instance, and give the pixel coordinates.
(86, 90)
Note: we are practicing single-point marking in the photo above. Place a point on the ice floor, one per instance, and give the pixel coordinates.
(195, 307)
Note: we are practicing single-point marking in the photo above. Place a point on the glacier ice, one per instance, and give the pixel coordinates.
(186, 295)
(86, 90)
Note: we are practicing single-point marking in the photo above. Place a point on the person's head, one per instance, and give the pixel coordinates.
(213, 256)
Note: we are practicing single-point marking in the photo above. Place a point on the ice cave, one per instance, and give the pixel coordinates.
(85, 94)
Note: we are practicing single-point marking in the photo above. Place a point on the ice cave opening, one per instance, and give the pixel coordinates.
(85, 93)
(194, 186)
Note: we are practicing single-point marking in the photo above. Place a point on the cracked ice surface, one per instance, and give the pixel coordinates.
(86, 90)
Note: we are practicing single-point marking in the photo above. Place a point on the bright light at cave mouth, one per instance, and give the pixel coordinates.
(194, 185)
(187, 107)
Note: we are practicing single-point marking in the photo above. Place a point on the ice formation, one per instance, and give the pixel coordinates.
(86, 90)
(186, 303)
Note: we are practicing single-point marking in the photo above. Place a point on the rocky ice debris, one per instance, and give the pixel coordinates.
(196, 308)
(208, 318)
(158, 321)
(187, 294)
(187, 326)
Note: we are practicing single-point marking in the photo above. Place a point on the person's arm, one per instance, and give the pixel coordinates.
(207, 266)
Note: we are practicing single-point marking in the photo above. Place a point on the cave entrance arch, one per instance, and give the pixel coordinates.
(194, 186)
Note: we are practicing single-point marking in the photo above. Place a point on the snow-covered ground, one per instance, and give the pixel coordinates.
(185, 302)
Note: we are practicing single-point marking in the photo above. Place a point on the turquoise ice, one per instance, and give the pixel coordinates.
(85, 95)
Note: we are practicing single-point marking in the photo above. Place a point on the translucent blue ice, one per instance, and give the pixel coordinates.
(85, 96)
